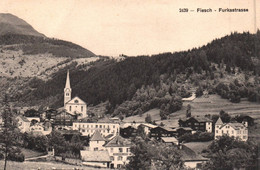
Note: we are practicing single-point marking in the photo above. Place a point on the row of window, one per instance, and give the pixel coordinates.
(120, 150)
(96, 126)
(92, 131)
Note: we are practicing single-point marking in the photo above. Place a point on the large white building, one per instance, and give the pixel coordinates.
(74, 106)
(117, 148)
(88, 128)
(237, 130)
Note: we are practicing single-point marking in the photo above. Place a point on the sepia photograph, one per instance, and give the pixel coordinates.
(129, 84)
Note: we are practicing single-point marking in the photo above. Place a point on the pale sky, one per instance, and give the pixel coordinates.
(134, 27)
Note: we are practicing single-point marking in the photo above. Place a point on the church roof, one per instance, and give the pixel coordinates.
(219, 121)
(97, 136)
(77, 98)
(118, 141)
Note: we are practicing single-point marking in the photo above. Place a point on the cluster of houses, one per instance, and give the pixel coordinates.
(109, 144)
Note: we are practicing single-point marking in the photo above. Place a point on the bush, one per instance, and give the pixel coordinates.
(197, 137)
(16, 155)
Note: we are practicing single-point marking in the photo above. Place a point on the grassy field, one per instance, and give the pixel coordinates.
(43, 166)
(198, 146)
(213, 105)
(155, 114)
(30, 153)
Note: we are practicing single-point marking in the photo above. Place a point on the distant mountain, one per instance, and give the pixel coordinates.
(24, 52)
(11, 24)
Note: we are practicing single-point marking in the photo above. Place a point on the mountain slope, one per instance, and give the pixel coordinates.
(118, 82)
(11, 24)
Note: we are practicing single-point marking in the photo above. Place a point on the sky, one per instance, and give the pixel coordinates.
(135, 27)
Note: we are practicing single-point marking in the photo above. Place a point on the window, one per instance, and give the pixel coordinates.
(120, 149)
(216, 131)
(96, 126)
(120, 158)
(112, 158)
(67, 94)
(100, 126)
(82, 108)
(76, 101)
(70, 108)
(128, 150)
(95, 149)
(111, 149)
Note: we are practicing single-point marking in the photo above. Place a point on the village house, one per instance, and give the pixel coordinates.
(237, 130)
(147, 127)
(119, 151)
(198, 123)
(40, 129)
(117, 148)
(159, 132)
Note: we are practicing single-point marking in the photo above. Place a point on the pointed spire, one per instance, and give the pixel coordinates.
(219, 121)
(68, 81)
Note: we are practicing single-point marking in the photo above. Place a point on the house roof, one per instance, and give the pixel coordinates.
(235, 126)
(169, 139)
(118, 141)
(219, 121)
(97, 136)
(189, 155)
(149, 125)
(198, 118)
(95, 156)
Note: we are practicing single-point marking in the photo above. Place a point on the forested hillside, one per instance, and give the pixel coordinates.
(135, 82)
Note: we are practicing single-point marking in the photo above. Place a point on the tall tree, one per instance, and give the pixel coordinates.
(9, 133)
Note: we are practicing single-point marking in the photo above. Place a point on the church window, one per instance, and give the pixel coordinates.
(70, 108)
(82, 108)
(96, 126)
(67, 94)
(100, 126)
(76, 101)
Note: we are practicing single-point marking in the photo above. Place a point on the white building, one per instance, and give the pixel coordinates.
(87, 128)
(117, 148)
(96, 142)
(237, 130)
(75, 105)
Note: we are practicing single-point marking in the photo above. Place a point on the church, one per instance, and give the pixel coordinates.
(74, 106)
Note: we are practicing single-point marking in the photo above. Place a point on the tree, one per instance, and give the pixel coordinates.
(148, 118)
(10, 134)
(148, 154)
(188, 111)
(229, 153)
(199, 92)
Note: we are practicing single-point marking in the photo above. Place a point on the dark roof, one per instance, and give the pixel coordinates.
(219, 121)
(118, 141)
(165, 128)
(198, 118)
(97, 136)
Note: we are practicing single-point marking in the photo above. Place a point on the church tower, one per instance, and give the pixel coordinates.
(67, 89)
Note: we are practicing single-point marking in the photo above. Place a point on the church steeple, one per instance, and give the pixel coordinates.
(67, 89)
